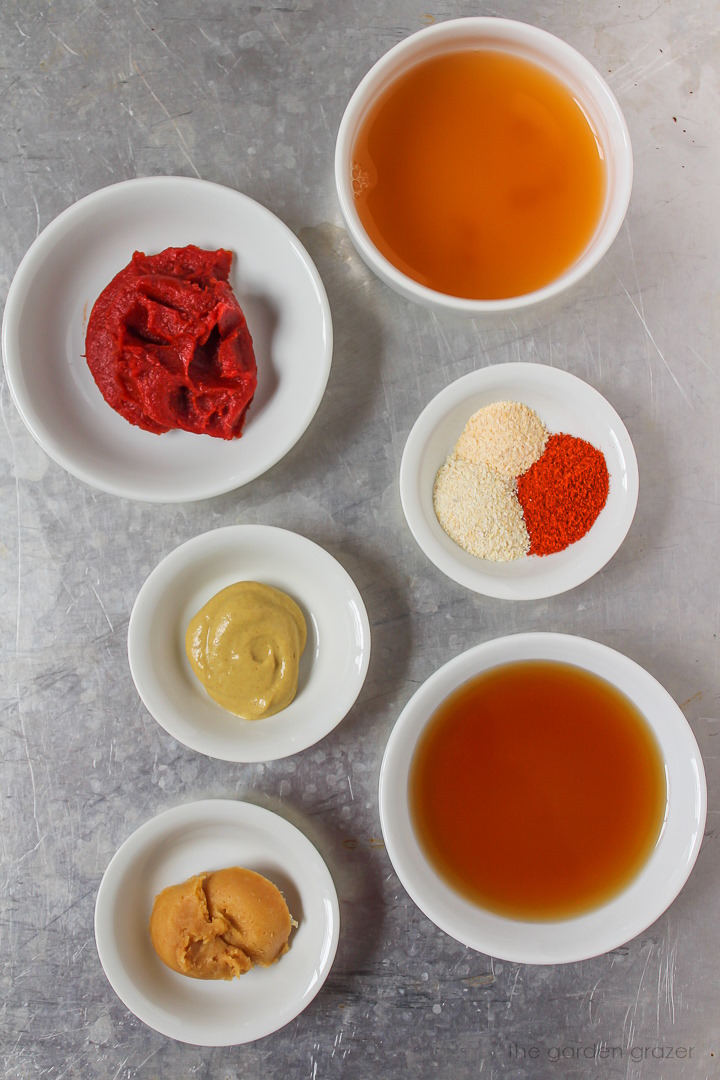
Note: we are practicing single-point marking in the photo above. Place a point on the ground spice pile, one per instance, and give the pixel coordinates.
(510, 489)
(475, 495)
(562, 493)
(478, 509)
(507, 436)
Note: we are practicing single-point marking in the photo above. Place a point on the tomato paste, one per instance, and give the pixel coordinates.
(168, 345)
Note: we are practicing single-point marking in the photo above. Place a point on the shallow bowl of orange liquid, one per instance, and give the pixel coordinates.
(543, 768)
(482, 165)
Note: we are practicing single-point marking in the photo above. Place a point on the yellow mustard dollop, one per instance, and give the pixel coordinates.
(245, 646)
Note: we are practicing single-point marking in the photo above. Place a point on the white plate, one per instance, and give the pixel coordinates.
(565, 404)
(189, 840)
(617, 921)
(68, 266)
(332, 668)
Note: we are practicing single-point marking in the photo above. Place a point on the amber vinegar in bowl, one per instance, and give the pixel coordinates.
(588, 790)
(542, 798)
(482, 165)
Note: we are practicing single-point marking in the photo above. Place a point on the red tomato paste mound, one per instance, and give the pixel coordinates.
(168, 345)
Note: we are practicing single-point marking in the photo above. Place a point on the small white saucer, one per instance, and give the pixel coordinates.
(66, 269)
(332, 668)
(565, 404)
(189, 840)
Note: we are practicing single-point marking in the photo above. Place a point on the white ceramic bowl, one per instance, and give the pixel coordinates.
(534, 45)
(617, 921)
(565, 404)
(68, 266)
(332, 668)
(192, 839)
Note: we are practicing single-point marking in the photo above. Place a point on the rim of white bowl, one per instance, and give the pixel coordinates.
(204, 1013)
(521, 37)
(56, 233)
(622, 917)
(197, 569)
(578, 409)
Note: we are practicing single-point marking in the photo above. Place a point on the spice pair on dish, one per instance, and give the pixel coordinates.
(510, 489)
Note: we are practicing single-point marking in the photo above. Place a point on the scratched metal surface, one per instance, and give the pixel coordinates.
(250, 95)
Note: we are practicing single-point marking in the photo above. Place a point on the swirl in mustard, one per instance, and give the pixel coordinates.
(245, 646)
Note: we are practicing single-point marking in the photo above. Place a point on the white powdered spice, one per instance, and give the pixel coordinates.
(479, 509)
(507, 435)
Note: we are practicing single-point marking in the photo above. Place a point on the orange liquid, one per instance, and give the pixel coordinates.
(537, 790)
(477, 174)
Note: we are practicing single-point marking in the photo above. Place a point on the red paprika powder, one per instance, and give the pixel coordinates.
(562, 493)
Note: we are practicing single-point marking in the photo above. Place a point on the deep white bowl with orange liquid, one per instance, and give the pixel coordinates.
(482, 165)
(531, 789)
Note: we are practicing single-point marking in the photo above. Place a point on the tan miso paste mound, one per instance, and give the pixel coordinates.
(218, 925)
